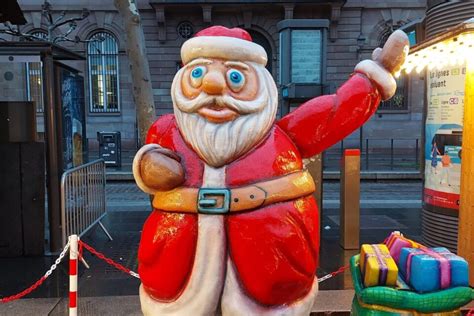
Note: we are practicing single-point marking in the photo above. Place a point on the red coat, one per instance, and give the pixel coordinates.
(274, 248)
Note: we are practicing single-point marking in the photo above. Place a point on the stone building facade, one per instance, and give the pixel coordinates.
(356, 27)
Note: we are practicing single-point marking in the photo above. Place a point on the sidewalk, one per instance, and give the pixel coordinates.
(385, 206)
(328, 302)
(333, 303)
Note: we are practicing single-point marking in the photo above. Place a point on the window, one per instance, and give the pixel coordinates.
(398, 103)
(34, 75)
(185, 29)
(102, 58)
(306, 56)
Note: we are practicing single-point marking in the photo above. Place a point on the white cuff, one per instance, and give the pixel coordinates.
(136, 167)
(380, 76)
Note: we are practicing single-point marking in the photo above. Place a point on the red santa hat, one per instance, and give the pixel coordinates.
(221, 42)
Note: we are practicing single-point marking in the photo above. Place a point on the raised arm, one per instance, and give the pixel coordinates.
(323, 121)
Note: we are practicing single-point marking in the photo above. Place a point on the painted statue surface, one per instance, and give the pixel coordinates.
(235, 226)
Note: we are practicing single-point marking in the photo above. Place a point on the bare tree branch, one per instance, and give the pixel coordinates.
(70, 20)
(46, 11)
(60, 17)
(53, 24)
(23, 35)
(72, 27)
(10, 26)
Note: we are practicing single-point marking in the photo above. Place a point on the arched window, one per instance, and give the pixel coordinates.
(102, 59)
(398, 103)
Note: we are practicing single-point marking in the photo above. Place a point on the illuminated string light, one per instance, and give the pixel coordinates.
(454, 51)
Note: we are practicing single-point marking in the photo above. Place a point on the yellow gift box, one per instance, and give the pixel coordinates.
(377, 266)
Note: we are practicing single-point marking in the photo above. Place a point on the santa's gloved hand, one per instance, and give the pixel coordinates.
(386, 61)
(157, 169)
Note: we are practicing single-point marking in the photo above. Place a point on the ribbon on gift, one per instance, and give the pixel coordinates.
(444, 265)
(380, 260)
(390, 240)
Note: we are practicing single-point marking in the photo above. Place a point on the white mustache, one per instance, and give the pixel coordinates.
(241, 107)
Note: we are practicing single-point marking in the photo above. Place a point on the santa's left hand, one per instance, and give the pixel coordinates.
(394, 52)
(386, 61)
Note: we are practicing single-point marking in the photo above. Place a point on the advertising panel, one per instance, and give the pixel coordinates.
(443, 131)
(73, 118)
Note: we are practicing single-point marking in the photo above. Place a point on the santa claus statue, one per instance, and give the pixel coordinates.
(235, 226)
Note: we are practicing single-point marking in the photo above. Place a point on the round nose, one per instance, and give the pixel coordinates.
(213, 83)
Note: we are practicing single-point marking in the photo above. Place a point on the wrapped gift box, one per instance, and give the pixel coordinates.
(377, 266)
(432, 269)
(395, 242)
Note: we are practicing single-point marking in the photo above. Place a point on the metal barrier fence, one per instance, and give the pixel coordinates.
(83, 199)
(377, 154)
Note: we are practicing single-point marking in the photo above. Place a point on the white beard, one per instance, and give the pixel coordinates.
(219, 144)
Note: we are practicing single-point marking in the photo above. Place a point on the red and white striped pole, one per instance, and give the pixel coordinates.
(73, 254)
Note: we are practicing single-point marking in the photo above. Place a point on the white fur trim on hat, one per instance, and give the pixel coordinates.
(136, 167)
(225, 47)
(380, 76)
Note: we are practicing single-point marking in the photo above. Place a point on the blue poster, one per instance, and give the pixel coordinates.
(73, 118)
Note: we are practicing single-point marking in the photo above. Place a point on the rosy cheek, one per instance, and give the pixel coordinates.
(188, 91)
(248, 93)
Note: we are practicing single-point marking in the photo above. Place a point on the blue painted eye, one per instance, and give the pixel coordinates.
(235, 79)
(235, 76)
(196, 76)
(197, 72)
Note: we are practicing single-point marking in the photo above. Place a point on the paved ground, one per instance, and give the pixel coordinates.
(329, 302)
(335, 302)
(385, 206)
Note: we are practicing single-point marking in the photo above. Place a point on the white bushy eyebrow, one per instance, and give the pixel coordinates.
(199, 61)
(236, 64)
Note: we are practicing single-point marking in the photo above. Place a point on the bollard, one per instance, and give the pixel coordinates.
(73, 266)
(350, 199)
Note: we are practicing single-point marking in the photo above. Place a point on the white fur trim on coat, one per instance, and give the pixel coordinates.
(202, 292)
(379, 76)
(228, 48)
(136, 167)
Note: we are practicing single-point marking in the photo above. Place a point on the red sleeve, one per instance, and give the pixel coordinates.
(159, 129)
(323, 121)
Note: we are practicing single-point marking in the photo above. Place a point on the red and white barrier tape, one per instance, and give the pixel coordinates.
(35, 285)
(134, 274)
(75, 245)
(330, 275)
(101, 256)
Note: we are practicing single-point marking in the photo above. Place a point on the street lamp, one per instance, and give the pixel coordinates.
(448, 60)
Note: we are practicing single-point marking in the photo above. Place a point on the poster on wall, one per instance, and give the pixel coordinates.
(73, 118)
(443, 130)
